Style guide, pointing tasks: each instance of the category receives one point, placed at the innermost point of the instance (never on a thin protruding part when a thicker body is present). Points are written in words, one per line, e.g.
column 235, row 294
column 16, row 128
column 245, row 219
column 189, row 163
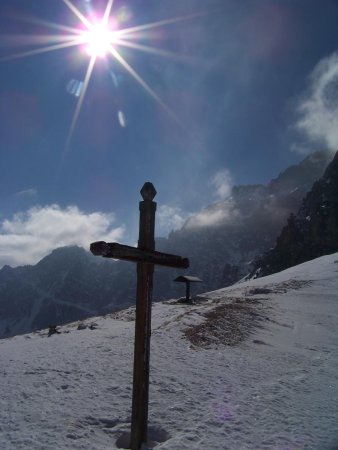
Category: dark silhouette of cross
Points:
column 146, row 257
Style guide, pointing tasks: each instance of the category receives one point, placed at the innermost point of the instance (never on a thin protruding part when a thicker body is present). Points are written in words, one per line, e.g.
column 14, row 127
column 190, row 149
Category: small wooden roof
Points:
column 188, row 279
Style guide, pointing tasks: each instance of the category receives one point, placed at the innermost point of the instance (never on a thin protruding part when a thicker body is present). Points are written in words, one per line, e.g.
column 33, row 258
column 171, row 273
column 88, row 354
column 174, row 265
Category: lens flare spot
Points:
column 122, row 119
column 74, row 87
column 124, row 14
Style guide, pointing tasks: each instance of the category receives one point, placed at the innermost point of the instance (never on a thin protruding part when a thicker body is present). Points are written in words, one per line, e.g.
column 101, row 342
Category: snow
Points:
column 276, row 388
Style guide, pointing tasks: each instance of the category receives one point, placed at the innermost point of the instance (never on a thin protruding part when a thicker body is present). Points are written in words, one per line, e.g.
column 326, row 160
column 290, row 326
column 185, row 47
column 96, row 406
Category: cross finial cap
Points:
column 148, row 191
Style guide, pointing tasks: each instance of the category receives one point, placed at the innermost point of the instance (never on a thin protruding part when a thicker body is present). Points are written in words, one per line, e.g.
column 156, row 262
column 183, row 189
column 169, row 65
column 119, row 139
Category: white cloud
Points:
column 318, row 109
column 31, row 235
column 217, row 214
column 206, row 218
column 169, row 218
column 222, row 183
column 32, row 192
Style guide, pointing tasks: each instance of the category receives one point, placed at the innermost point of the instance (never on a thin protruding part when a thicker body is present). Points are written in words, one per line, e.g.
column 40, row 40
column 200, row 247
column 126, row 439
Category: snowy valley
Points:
column 251, row 366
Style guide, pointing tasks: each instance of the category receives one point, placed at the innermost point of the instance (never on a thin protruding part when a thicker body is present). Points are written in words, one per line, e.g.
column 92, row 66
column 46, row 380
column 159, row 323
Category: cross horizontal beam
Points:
column 125, row 252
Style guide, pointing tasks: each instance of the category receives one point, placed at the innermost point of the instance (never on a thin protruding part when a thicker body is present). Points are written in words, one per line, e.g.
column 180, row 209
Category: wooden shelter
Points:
column 187, row 279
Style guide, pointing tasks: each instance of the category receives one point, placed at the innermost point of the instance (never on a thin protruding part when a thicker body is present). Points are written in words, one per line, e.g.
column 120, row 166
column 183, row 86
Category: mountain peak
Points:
column 303, row 174
column 69, row 253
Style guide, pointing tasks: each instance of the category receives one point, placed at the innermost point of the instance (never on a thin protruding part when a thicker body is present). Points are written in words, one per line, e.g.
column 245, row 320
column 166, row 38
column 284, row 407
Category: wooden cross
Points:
column 146, row 257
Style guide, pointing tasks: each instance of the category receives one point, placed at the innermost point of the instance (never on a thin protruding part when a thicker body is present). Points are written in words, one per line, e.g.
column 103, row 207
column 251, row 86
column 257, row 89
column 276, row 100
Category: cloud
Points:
column 218, row 214
column 222, row 183
column 318, row 108
column 31, row 235
column 31, row 192
column 170, row 218
column 206, row 218
column 223, row 211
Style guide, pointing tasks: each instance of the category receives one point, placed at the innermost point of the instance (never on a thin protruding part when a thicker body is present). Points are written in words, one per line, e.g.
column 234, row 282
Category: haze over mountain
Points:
column 71, row 284
column 310, row 233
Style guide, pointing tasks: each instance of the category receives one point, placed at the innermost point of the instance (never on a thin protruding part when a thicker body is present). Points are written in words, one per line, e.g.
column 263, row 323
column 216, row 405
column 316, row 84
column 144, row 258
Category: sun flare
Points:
column 99, row 37
column 98, row 40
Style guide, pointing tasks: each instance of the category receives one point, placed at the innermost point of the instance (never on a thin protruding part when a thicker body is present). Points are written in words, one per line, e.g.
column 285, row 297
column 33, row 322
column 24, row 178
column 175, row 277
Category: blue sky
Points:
column 243, row 90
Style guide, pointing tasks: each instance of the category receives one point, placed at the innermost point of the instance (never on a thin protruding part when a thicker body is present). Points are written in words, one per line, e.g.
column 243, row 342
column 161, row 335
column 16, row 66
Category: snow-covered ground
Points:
column 275, row 387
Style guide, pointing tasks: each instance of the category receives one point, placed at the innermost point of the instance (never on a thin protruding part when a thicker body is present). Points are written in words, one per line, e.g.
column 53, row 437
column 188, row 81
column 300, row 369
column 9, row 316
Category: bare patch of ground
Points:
column 227, row 324
column 126, row 315
column 279, row 288
column 232, row 322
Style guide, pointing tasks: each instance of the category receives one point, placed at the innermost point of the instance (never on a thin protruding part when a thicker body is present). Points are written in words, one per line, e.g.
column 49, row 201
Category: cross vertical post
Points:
column 187, row 291
column 139, row 419
column 146, row 257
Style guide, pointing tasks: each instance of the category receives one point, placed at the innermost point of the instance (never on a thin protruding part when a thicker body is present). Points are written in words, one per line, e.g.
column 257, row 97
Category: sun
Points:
column 98, row 40
column 100, row 37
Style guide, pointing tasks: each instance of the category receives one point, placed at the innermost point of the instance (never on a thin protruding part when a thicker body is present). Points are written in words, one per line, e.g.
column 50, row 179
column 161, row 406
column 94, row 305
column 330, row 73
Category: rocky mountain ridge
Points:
column 310, row 233
column 69, row 284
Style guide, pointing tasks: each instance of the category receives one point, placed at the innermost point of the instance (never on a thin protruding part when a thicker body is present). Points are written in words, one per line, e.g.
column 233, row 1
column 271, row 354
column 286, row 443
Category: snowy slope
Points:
column 275, row 387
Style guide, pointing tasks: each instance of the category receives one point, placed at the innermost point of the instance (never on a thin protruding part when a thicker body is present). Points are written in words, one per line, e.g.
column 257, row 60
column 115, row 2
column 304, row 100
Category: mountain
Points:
column 312, row 232
column 252, row 366
column 223, row 240
column 69, row 284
